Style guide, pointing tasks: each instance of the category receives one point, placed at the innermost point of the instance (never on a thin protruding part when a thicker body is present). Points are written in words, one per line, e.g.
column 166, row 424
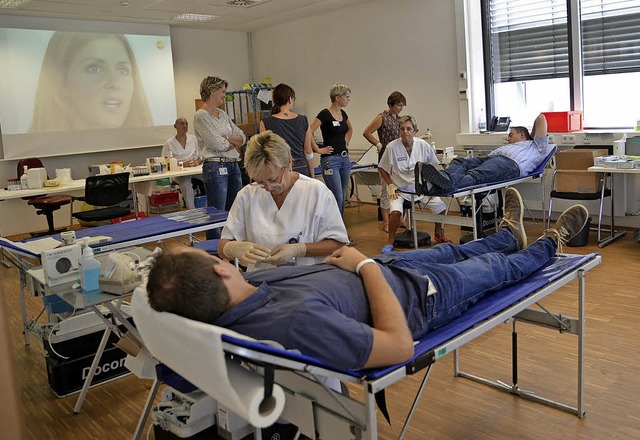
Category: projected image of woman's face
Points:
column 99, row 81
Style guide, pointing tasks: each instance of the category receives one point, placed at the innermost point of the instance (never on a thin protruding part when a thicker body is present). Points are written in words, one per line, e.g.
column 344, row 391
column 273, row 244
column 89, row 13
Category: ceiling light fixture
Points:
column 12, row 4
column 188, row 16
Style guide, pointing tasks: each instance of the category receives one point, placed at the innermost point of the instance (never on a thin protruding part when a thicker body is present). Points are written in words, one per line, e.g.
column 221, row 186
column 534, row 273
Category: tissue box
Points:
column 36, row 177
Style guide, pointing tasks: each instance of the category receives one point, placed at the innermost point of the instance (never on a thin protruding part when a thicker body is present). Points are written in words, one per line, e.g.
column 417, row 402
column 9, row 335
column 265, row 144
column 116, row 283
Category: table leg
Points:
column 613, row 235
column 92, row 370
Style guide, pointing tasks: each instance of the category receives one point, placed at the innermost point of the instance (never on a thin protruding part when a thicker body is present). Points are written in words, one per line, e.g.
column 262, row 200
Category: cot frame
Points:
column 317, row 410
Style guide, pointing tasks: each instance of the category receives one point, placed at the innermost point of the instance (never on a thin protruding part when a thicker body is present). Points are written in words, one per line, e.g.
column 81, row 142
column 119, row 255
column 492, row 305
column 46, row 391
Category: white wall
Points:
column 197, row 53
column 375, row 48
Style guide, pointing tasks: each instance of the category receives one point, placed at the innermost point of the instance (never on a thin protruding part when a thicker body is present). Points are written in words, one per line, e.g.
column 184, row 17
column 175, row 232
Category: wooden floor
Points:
column 451, row 408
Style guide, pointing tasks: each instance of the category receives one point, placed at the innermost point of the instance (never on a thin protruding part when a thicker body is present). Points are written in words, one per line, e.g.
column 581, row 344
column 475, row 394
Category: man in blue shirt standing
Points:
column 519, row 157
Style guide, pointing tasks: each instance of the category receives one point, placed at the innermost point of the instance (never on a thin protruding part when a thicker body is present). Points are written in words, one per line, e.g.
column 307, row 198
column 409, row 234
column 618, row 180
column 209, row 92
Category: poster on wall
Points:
column 71, row 91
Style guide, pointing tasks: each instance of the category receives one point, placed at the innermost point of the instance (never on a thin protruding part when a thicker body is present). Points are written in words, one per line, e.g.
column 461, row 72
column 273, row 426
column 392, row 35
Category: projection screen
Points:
column 70, row 87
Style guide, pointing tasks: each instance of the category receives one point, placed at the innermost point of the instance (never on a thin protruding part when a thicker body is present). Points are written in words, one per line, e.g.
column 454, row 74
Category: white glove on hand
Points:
column 391, row 190
column 379, row 146
column 245, row 251
column 285, row 252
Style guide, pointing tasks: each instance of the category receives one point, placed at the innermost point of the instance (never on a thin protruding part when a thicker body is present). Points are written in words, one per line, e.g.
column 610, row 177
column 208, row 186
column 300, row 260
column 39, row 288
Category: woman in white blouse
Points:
column 219, row 141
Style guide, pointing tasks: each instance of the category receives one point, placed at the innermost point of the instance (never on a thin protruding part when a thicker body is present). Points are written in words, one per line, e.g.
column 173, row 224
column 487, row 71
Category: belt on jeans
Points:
column 344, row 153
column 220, row 159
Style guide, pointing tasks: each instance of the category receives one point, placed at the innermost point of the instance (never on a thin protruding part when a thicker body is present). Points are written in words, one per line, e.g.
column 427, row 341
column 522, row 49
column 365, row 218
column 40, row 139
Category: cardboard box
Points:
column 578, row 181
column 578, row 159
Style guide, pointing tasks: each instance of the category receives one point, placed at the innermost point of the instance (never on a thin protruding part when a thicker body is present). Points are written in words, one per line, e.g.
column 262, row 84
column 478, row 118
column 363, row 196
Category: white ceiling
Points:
column 258, row 14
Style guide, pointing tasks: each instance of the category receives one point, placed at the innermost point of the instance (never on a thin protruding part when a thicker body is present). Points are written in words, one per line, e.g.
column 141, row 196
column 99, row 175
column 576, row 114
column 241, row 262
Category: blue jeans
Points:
column 477, row 170
column 462, row 274
column 336, row 172
column 221, row 188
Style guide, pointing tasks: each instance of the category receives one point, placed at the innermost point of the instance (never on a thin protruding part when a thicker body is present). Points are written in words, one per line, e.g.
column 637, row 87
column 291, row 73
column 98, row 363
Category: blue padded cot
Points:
column 477, row 193
column 317, row 410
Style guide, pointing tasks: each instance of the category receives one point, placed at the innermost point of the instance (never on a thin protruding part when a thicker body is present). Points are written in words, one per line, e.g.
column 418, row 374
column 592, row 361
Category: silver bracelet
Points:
column 362, row 263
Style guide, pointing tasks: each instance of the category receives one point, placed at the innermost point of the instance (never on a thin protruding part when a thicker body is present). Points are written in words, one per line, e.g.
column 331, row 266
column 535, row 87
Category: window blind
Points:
column 528, row 38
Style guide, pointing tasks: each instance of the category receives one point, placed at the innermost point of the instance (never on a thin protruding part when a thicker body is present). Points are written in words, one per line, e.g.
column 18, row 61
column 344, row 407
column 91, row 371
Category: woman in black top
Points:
column 336, row 133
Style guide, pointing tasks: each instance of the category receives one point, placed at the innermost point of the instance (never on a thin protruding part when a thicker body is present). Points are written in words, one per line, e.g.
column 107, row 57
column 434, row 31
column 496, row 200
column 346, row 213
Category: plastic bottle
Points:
column 173, row 162
column 482, row 121
column 24, row 181
column 89, row 269
column 637, row 127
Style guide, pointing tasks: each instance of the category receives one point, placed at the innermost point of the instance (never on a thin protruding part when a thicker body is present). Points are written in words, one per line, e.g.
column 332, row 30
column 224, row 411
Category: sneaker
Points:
column 512, row 218
column 386, row 249
column 568, row 225
column 436, row 177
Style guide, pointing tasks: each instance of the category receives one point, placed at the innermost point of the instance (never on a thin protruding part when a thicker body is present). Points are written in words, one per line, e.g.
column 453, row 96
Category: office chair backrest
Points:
column 107, row 189
column 31, row 162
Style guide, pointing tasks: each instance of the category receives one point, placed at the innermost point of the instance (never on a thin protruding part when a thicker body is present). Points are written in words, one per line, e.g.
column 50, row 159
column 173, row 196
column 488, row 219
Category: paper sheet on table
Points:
column 194, row 350
column 34, row 246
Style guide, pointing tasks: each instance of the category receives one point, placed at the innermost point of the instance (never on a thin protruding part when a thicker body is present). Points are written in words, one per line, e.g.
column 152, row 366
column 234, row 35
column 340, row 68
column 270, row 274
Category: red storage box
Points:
column 164, row 198
column 562, row 122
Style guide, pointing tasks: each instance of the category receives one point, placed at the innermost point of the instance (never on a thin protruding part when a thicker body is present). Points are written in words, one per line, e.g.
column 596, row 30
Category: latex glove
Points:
column 391, row 190
column 246, row 252
column 285, row 252
column 379, row 146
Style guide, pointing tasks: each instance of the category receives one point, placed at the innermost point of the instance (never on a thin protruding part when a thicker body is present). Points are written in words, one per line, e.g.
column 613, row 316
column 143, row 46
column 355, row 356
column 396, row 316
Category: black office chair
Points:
column 605, row 191
column 45, row 204
column 107, row 192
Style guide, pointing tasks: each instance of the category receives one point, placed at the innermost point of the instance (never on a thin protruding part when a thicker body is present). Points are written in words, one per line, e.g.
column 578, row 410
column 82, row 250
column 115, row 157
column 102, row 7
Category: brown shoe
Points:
column 513, row 216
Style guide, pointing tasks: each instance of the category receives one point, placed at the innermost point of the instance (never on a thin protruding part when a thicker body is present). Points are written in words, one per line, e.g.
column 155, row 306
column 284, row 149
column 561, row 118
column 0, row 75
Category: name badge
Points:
column 336, row 123
column 222, row 171
column 401, row 159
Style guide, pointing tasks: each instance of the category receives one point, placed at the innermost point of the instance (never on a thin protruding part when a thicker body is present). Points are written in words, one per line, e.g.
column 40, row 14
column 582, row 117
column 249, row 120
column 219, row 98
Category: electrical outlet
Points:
column 585, row 138
column 551, row 138
column 568, row 139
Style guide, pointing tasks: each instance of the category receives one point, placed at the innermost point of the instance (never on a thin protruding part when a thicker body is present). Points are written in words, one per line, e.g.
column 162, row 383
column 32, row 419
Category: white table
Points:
column 613, row 234
column 79, row 184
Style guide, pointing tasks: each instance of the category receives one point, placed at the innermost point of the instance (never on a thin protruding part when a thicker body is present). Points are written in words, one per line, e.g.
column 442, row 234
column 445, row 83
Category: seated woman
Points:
column 283, row 214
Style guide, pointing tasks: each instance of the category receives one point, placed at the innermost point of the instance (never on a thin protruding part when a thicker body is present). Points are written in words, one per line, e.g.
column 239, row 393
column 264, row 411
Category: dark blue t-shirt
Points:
column 323, row 311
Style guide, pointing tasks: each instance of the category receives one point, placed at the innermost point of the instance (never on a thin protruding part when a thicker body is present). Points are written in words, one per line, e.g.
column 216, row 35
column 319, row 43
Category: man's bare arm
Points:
column 392, row 341
column 539, row 126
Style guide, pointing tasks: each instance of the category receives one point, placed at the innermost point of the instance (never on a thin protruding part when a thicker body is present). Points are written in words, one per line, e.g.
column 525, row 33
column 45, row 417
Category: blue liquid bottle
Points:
column 89, row 269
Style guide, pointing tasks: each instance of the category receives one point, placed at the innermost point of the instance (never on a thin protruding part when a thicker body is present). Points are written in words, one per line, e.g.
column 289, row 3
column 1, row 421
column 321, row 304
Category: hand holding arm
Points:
column 392, row 341
column 245, row 251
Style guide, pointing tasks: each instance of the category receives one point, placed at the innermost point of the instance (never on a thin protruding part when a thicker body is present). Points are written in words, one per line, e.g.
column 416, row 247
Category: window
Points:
column 527, row 59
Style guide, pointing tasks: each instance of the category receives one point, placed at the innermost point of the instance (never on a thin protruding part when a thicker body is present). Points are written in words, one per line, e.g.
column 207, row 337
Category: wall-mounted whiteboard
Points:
column 69, row 86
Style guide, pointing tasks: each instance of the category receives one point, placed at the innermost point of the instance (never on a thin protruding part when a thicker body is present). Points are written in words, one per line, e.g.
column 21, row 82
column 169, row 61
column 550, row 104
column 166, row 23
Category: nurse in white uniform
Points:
column 184, row 147
column 282, row 215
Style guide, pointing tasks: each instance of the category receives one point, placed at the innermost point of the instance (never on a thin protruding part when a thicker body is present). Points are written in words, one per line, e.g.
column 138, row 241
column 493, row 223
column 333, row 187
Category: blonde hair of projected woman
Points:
column 89, row 81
